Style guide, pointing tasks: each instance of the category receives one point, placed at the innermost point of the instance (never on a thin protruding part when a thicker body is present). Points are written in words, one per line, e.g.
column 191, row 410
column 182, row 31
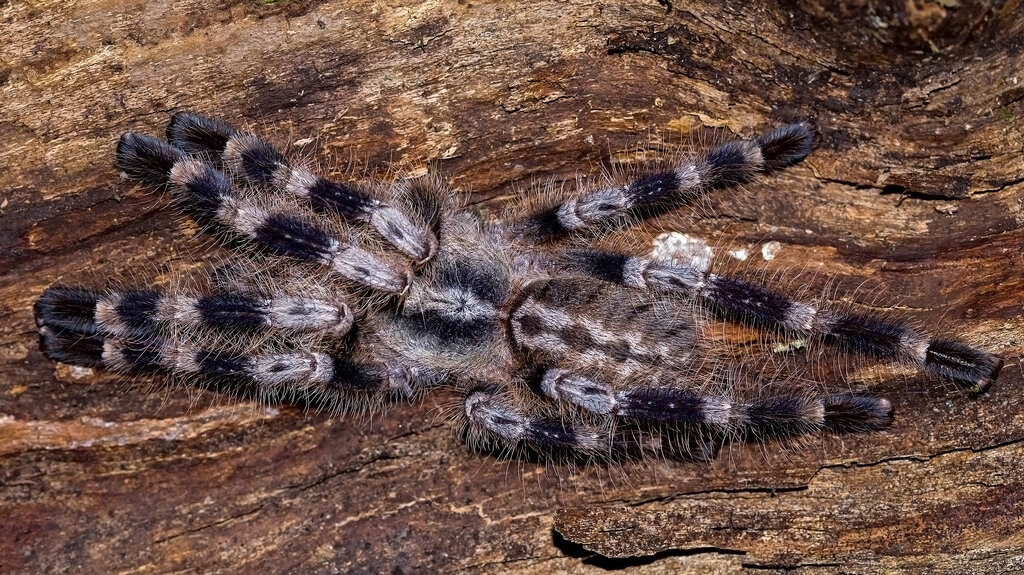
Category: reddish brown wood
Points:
column 913, row 199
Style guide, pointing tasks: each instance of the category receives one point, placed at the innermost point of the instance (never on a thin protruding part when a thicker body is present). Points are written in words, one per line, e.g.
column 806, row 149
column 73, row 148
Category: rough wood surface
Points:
column 915, row 197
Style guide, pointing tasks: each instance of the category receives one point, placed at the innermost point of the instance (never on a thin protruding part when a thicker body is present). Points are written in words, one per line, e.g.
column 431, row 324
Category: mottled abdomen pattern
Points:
column 355, row 295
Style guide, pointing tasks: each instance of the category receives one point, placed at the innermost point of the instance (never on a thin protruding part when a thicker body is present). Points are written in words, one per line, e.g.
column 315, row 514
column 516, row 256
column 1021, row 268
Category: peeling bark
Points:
column 914, row 197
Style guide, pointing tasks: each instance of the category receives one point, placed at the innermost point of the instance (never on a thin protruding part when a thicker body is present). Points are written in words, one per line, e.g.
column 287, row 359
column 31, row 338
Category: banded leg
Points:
column 749, row 303
column 211, row 199
column 197, row 338
column 732, row 163
column 312, row 377
column 145, row 313
column 766, row 416
column 657, row 423
column 253, row 160
column 497, row 423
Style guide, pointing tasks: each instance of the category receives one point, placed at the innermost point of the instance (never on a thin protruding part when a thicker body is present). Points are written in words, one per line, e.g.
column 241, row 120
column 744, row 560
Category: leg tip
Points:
column 857, row 413
column 982, row 384
column 67, row 309
column 146, row 159
column 196, row 134
column 786, row 145
column 71, row 348
column 972, row 368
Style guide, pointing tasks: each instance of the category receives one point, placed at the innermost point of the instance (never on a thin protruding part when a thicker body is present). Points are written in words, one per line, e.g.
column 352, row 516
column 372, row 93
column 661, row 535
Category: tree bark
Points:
column 914, row 199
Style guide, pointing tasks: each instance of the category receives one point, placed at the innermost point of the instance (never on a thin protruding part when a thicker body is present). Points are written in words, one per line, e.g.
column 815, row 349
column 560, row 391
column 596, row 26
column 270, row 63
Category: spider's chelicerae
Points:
column 357, row 295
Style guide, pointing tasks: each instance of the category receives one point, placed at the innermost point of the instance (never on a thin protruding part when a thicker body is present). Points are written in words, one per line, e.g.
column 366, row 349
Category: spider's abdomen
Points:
column 587, row 325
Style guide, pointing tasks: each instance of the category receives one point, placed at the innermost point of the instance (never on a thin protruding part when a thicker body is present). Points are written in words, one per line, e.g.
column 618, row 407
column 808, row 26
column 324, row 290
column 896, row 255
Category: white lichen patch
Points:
column 770, row 250
column 79, row 372
column 682, row 249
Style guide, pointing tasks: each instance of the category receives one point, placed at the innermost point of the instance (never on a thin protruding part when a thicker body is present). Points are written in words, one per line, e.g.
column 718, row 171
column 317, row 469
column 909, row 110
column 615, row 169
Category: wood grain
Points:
column 914, row 199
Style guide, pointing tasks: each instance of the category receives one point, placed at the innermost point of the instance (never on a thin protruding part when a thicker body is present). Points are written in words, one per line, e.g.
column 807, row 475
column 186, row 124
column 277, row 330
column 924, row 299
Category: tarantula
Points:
column 355, row 295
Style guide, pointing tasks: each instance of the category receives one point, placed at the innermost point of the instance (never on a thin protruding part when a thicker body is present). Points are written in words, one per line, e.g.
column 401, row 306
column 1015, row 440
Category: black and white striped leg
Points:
column 256, row 162
column 209, row 197
column 730, row 164
column 744, row 302
column 71, row 329
column 317, row 378
column 131, row 331
column 286, row 375
column 770, row 415
column 142, row 313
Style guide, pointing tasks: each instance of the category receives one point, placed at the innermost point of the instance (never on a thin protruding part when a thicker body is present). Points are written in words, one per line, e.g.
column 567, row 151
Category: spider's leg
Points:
column 212, row 200
column 254, row 161
column 749, row 303
column 278, row 373
column 498, row 422
column 70, row 332
column 648, row 422
column 282, row 374
column 730, row 164
column 141, row 313
column 765, row 416
column 280, row 347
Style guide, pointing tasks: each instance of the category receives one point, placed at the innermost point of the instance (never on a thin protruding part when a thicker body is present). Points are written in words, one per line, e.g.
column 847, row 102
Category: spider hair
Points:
column 555, row 345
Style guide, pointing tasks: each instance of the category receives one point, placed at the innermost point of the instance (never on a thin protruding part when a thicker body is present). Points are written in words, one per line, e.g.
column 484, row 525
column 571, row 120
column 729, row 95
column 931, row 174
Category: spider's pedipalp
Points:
column 732, row 163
